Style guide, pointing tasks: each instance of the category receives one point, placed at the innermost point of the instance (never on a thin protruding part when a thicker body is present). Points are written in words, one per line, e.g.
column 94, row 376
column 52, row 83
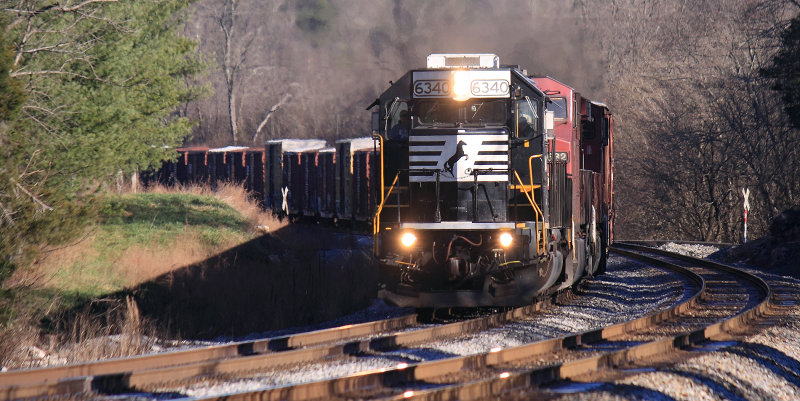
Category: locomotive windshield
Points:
column 474, row 112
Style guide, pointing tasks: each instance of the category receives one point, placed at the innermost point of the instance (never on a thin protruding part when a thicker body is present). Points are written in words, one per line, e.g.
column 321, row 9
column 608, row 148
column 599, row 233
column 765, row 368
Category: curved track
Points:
column 124, row 374
column 722, row 302
column 76, row 378
column 731, row 302
column 516, row 371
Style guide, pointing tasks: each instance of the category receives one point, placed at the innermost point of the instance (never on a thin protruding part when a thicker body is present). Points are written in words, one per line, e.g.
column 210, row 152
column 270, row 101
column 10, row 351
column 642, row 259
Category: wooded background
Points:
column 705, row 93
column 308, row 68
column 697, row 117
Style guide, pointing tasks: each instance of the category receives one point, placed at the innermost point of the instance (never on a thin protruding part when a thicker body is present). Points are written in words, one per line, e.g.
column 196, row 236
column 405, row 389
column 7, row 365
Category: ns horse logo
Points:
column 451, row 162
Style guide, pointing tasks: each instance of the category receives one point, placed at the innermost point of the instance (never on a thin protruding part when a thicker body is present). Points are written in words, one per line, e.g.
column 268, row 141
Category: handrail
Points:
column 380, row 139
column 376, row 222
column 530, row 168
column 538, row 212
column 530, row 174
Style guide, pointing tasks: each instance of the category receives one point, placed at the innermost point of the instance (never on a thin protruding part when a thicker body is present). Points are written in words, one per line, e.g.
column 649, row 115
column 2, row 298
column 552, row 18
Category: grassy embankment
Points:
column 139, row 237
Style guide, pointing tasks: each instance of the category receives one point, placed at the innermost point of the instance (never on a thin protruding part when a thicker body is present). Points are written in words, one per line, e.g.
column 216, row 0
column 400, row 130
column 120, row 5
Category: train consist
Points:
column 484, row 186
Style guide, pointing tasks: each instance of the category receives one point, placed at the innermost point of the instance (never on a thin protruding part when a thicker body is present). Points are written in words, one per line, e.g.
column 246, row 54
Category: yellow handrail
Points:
column 538, row 212
column 377, row 215
column 530, row 167
column 376, row 222
column 530, row 174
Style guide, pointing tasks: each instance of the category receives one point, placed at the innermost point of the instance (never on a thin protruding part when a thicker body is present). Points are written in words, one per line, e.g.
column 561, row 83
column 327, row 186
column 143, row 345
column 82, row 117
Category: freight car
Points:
column 209, row 166
column 484, row 186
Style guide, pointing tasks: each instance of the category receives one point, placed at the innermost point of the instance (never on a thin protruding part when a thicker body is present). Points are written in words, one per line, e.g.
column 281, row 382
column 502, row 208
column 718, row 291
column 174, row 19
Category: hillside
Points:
column 139, row 236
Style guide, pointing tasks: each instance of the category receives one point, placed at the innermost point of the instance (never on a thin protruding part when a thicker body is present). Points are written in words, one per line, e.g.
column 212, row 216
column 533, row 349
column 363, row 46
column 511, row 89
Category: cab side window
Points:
column 398, row 121
column 527, row 118
column 558, row 105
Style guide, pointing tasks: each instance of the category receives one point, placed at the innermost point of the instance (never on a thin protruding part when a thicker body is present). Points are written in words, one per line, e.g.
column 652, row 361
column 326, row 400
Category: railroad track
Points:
column 520, row 371
column 84, row 377
column 124, row 374
column 720, row 302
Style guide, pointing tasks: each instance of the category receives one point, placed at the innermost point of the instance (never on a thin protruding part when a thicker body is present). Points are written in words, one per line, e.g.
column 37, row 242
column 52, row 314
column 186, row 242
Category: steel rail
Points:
column 524, row 380
column 781, row 295
column 123, row 374
column 388, row 380
column 71, row 378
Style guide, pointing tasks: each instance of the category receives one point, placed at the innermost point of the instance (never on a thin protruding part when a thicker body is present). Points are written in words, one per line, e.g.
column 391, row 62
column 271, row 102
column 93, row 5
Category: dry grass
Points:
column 105, row 327
column 139, row 264
column 88, row 335
column 234, row 196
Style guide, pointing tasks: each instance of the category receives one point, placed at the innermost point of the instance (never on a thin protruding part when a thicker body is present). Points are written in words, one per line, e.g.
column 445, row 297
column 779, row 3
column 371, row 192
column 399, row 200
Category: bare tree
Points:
column 696, row 121
column 233, row 58
column 301, row 82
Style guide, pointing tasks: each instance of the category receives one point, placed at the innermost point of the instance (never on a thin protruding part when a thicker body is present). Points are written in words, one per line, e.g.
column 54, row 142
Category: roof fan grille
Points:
column 464, row 61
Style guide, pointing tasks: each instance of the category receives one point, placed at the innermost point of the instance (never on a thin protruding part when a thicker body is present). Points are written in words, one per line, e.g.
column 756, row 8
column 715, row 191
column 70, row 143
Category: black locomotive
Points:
column 483, row 200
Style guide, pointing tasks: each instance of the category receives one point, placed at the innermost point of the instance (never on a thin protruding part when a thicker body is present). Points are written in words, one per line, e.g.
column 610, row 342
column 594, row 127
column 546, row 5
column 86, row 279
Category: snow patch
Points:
column 299, row 145
column 694, row 250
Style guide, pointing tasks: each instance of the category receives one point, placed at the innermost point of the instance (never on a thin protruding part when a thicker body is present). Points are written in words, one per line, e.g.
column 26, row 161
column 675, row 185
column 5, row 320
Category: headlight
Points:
column 505, row 239
column 461, row 81
column 408, row 239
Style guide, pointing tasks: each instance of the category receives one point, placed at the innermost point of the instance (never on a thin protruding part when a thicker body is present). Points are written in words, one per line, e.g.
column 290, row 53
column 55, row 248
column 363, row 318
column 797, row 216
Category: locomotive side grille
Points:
column 456, row 156
column 560, row 195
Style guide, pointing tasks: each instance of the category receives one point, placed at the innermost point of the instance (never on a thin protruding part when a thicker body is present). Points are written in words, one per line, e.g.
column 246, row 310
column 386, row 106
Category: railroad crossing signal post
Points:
column 746, row 193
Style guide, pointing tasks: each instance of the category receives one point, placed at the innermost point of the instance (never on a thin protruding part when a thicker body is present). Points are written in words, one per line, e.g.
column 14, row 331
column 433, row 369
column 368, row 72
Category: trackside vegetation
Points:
column 135, row 237
column 94, row 91
column 133, row 225
column 81, row 290
column 785, row 69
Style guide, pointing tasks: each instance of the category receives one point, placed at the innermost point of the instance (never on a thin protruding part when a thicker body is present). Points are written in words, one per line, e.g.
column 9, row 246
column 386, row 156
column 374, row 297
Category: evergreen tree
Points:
column 785, row 70
column 11, row 99
column 11, row 94
column 103, row 81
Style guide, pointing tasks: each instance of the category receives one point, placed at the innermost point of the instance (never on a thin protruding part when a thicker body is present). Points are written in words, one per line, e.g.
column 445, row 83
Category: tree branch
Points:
column 51, row 72
column 61, row 71
column 29, row 14
column 285, row 99
column 85, row 3
column 32, row 196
